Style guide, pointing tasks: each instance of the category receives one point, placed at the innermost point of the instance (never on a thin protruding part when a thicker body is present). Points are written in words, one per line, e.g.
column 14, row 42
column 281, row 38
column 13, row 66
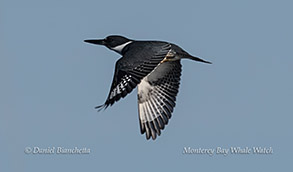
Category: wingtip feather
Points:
column 101, row 107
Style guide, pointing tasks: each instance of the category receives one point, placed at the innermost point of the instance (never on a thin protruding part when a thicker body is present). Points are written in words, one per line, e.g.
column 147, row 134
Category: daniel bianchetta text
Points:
column 56, row 150
column 257, row 150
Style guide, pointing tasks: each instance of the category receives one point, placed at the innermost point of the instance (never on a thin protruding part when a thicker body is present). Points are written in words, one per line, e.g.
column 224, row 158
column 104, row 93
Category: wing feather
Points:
column 130, row 69
column 156, row 97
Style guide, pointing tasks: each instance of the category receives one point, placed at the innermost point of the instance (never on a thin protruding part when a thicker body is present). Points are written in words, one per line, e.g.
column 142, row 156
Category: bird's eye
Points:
column 109, row 39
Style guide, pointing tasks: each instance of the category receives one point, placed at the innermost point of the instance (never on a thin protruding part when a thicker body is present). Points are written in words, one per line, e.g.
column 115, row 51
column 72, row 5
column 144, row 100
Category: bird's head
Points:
column 113, row 42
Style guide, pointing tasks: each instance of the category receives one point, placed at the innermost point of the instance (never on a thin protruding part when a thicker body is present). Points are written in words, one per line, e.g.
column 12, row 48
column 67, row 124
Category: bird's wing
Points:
column 156, row 97
column 128, row 74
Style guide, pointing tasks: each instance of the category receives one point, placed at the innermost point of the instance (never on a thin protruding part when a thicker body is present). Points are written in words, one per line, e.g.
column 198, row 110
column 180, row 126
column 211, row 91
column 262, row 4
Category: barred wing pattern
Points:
column 156, row 97
column 127, row 76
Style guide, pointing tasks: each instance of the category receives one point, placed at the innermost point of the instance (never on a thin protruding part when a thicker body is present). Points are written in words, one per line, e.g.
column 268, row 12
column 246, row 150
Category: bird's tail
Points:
column 196, row 59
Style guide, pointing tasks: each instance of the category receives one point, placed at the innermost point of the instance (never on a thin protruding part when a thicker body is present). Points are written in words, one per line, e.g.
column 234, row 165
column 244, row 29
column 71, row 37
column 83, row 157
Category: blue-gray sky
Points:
column 51, row 81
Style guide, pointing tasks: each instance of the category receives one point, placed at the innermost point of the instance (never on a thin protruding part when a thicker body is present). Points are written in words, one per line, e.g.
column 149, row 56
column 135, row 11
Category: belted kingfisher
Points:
column 155, row 68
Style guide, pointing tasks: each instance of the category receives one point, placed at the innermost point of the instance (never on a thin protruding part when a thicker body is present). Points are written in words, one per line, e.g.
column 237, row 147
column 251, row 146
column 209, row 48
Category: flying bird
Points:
column 155, row 68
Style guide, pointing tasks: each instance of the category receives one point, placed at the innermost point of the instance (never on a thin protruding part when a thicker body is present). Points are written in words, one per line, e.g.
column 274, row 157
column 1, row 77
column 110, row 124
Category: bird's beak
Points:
column 96, row 41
